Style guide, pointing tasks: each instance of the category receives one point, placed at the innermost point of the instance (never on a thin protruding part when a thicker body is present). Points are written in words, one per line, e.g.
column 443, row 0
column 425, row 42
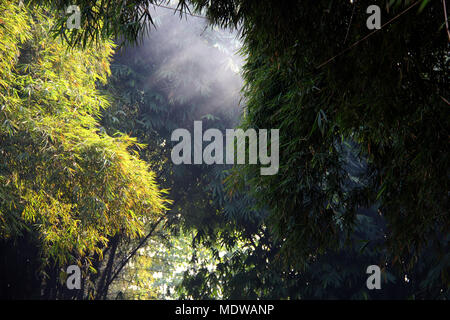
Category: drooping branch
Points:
column 125, row 261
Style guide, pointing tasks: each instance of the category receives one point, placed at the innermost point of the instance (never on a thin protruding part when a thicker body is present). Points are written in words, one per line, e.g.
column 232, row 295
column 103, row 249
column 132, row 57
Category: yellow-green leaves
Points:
column 61, row 176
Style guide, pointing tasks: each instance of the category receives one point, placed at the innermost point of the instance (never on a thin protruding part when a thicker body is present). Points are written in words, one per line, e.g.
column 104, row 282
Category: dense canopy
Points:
column 364, row 142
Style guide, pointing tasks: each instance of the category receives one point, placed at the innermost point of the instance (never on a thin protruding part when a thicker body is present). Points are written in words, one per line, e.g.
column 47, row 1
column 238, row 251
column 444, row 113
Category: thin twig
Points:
column 177, row 10
column 445, row 100
column 446, row 19
column 350, row 23
column 367, row 36
column 124, row 262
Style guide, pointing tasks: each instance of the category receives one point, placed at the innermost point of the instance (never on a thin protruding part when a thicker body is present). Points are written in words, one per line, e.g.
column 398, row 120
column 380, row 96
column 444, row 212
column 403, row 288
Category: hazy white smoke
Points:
column 193, row 62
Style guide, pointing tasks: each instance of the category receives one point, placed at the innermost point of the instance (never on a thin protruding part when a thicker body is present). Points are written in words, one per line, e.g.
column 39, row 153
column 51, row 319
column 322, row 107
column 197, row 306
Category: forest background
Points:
column 86, row 176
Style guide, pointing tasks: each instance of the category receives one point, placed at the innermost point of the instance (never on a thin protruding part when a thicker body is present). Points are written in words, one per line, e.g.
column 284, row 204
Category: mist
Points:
column 193, row 63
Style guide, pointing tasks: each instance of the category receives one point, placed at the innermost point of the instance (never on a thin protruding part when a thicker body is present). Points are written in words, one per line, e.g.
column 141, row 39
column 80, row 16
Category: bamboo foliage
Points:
column 62, row 178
